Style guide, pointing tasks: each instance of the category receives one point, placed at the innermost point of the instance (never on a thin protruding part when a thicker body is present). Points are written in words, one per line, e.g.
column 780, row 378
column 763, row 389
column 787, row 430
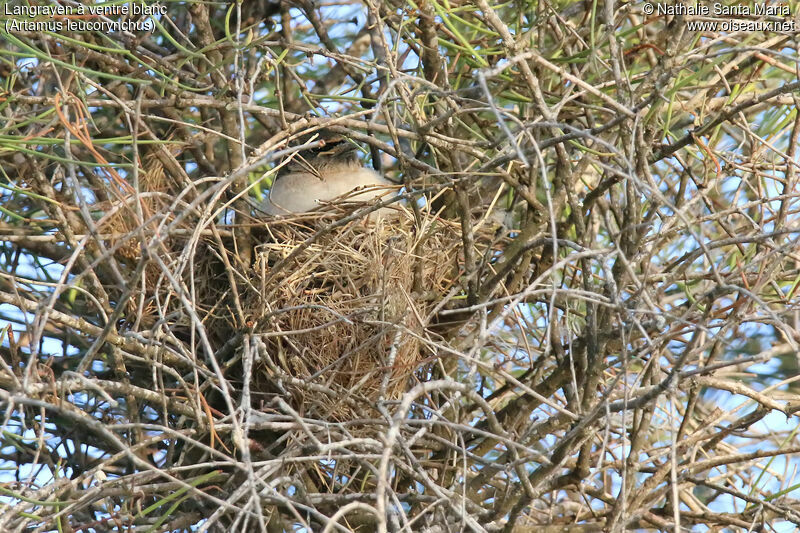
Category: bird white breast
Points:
column 299, row 192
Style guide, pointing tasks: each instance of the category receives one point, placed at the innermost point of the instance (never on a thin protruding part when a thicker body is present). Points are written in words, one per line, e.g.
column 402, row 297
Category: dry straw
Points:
column 350, row 305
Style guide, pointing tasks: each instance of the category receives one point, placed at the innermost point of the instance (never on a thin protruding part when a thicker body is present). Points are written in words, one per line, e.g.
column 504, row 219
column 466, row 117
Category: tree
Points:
column 582, row 317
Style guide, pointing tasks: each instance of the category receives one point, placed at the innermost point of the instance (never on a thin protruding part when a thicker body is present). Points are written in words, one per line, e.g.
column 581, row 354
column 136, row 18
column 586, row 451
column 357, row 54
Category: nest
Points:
column 343, row 310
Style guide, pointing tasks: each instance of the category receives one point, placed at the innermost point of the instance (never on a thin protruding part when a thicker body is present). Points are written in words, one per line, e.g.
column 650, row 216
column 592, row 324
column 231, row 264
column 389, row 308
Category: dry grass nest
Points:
column 343, row 311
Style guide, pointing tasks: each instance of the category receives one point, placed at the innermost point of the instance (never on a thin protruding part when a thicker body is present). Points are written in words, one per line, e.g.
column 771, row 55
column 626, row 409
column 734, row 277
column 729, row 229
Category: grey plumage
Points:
column 321, row 175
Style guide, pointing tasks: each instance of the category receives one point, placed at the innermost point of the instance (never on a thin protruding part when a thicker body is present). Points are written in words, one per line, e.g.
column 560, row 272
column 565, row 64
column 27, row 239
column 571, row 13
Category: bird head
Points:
column 335, row 153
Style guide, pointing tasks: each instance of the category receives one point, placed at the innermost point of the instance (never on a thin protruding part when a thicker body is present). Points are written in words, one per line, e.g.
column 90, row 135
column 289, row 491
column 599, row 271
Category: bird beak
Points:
column 338, row 149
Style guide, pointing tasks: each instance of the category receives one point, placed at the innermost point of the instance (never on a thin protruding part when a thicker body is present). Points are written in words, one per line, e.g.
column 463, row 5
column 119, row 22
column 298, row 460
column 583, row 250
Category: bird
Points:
column 321, row 174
